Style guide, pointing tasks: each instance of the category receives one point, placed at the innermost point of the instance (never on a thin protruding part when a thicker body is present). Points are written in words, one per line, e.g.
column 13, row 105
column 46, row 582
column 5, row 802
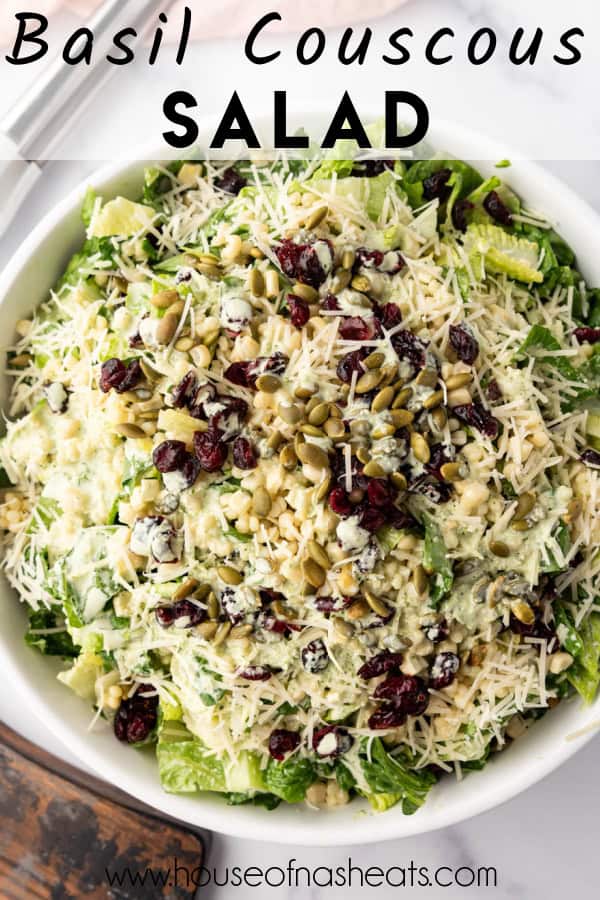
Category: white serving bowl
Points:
column 26, row 282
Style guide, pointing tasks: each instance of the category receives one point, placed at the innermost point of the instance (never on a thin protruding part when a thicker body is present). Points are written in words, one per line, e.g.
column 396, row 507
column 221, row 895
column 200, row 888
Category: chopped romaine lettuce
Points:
column 436, row 561
column 391, row 779
column 48, row 633
column 290, row 779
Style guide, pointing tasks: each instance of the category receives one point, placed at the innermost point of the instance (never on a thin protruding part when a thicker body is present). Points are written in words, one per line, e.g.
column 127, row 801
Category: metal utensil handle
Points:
column 41, row 105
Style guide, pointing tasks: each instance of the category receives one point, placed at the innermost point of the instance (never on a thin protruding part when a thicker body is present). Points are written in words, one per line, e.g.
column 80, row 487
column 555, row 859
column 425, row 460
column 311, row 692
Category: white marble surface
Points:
column 543, row 843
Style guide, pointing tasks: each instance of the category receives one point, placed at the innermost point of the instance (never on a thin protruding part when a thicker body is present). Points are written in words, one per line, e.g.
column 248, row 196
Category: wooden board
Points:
column 61, row 830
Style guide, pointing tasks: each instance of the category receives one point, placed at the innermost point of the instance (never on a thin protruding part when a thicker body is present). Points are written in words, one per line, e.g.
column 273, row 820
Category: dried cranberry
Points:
column 230, row 181
column 476, row 415
column 493, row 391
column 210, row 450
column 183, row 393
column 304, row 263
column 459, row 214
column 372, row 519
column 439, row 455
column 436, row 492
column 137, row 715
column 390, row 316
column 169, row 456
column 244, row 454
column 390, row 262
column 436, row 632
column 299, row 311
column 444, row 668
column 497, row 209
column 407, row 692
column 240, row 373
column 380, row 492
column 190, row 469
column 370, row 168
column 464, row 344
column 339, row 502
column 268, row 595
column 282, row 741
column 230, row 418
column 135, row 341
column 537, row 629
column 314, row 656
column 591, row 458
column 332, row 740
column 368, row 259
column 354, row 328
column 167, row 615
column 328, row 604
column 435, row 185
column 410, row 348
column 330, row 303
column 114, row 373
column 200, row 404
column 245, row 373
column 587, row 335
column 230, row 606
column 350, row 363
column 387, row 716
column 380, row 664
column 255, row 673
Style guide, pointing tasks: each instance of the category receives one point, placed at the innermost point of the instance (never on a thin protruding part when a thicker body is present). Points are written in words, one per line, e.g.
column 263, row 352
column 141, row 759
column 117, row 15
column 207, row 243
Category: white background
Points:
column 544, row 844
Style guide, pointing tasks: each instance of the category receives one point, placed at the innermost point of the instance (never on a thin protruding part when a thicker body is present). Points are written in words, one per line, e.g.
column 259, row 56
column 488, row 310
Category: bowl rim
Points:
column 339, row 831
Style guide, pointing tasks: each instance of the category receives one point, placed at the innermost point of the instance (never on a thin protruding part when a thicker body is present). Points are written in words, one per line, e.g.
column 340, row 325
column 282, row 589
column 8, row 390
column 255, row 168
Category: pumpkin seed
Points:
column 499, row 548
column 433, row 400
column 461, row 379
column 382, row 399
column 186, row 588
column 427, row 378
column 208, row 630
column 316, row 217
column 268, row 383
column 363, row 455
column 401, row 417
column 420, row 447
column 335, row 411
column 274, row 440
column 229, row 575
column 368, row 381
column 291, row 413
column 439, row 417
column 287, row 457
column 256, row 282
column 319, row 414
column 280, row 610
column 221, row 633
column 402, row 398
column 348, row 258
column 334, row 429
column 299, row 439
column 305, row 292
column 164, row 299
column 361, row 283
column 130, row 431
column 210, row 259
column 303, row 393
column 184, row 344
column 256, row 253
column 312, row 431
column 239, row 632
column 377, row 605
column 20, row 361
column 212, row 605
column 166, row 328
column 271, row 283
column 374, row 470
column 209, row 269
column 261, row 502
column 313, row 573
column 450, row 471
column 420, row 580
column 312, row 455
column 323, row 489
column 573, row 510
column 521, row 525
column 319, row 554
column 384, row 430
column 358, row 610
column 374, row 360
column 525, row 504
column 523, row 612
column 340, row 280
column 399, row 480
column 343, row 630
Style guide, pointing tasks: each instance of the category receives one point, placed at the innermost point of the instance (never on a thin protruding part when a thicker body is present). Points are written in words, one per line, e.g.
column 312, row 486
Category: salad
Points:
column 300, row 475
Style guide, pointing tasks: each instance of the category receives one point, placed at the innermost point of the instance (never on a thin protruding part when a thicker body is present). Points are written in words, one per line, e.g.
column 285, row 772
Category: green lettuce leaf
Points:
column 584, row 674
column 290, row 779
column 436, row 561
column 47, row 633
column 503, row 253
column 392, row 780
column 417, row 172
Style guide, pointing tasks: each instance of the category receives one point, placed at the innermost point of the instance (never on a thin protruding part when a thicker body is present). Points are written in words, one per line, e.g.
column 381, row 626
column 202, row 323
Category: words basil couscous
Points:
column 301, row 475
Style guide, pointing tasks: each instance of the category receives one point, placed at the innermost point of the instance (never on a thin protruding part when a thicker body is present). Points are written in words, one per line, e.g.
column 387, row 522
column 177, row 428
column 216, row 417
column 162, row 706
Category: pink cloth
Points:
column 221, row 18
